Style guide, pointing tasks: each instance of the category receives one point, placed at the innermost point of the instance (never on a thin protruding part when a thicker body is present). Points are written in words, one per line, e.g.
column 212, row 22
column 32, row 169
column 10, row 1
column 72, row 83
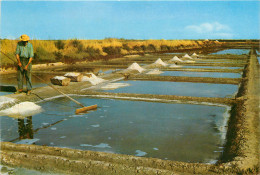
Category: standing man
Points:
column 24, row 56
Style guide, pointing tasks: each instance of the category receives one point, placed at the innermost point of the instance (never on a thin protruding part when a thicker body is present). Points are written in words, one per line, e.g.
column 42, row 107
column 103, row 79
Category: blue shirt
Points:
column 24, row 51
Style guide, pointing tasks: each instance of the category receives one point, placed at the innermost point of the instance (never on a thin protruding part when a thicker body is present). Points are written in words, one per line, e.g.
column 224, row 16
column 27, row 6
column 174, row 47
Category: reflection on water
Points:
column 178, row 88
column 25, row 128
column 182, row 132
column 201, row 74
column 232, row 51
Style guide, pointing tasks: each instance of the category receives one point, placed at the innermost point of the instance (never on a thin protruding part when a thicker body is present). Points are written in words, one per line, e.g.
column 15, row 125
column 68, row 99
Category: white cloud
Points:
column 214, row 29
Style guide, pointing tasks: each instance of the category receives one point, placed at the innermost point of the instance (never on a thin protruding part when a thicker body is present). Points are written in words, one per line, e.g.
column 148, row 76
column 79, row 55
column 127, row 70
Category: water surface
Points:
column 232, row 51
column 201, row 74
column 178, row 88
column 183, row 132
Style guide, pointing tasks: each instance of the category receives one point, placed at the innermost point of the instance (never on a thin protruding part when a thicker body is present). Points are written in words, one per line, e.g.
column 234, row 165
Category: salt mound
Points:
column 93, row 79
column 22, row 110
column 154, row 71
column 187, row 56
column 174, row 65
column 72, row 74
column 111, row 86
column 160, row 62
column 59, row 77
column 136, row 66
column 175, row 58
column 194, row 54
column 6, row 100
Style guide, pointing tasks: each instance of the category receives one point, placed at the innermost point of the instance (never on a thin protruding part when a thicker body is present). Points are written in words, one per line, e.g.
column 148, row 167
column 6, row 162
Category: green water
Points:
column 182, row 132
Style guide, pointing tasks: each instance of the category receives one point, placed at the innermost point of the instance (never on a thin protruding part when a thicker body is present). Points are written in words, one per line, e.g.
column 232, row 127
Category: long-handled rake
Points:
column 79, row 110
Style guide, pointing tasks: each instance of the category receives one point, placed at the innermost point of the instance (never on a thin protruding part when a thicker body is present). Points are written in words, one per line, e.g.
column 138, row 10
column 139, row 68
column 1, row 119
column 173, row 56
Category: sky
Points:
column 131, row 19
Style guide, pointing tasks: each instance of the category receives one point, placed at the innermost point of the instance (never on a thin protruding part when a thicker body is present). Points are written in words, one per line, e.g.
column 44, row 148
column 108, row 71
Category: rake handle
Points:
column 48, row 84
column 59, row 91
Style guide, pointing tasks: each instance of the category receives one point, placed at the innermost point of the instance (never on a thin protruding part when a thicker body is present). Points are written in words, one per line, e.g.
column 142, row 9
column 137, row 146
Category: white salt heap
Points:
column 194, row 54
column 136, row 66
column 59, row 77
column 93, row 79
column 174, row 65
column 6, row 100
column 22, row 110
column 175, row 58
column 111, row 86
column 160, row 62
column 187, row 56
column 72, row 74
column 154, row 71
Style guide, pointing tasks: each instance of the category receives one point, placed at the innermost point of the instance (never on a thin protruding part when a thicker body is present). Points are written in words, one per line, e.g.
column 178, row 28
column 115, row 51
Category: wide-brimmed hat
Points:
column 24, row 37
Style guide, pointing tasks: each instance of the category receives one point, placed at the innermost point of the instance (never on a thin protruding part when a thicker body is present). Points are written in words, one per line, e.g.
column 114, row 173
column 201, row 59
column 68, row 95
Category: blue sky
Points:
column 131, row 19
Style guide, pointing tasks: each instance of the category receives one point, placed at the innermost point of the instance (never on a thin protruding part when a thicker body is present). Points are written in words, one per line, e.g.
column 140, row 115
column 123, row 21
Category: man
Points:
column 24, row 56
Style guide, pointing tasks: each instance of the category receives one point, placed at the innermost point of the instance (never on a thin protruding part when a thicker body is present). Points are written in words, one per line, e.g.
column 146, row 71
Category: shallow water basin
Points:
column 178, row 88
column 183, row 132
column 201, row 74
column 232, row 51
column 211, row 67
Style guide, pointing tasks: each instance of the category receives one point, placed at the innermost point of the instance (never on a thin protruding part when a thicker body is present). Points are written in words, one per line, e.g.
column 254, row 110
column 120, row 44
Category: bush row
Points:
column 70, row 51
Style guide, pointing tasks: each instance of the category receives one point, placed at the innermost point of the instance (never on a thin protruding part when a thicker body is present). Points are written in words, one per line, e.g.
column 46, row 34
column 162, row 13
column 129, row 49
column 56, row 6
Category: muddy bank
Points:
column 71, row 161
column 242, row 146
column 185, row 79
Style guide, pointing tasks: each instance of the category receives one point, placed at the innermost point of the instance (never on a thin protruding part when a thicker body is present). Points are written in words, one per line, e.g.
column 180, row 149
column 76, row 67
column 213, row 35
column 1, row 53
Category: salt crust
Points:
column 72, row 74
column 154, row 71
column 22, row 110
column 59, row 77
column 93, row 79
column 111, row 86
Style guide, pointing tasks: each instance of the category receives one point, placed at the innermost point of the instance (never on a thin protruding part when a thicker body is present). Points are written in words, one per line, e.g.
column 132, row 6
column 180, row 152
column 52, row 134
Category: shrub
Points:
column 77, row 44
column 60, row 44
column 112, row 50
column 41, row 55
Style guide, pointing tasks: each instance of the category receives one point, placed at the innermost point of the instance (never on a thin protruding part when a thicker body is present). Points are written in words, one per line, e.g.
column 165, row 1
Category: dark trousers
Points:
column 21, row 73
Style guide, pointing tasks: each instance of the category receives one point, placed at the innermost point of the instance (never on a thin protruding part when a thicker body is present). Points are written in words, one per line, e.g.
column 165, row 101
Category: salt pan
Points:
column 112, row 86
column 72, row 74
column 154, row 71
column 160, row 62
column 189, row 61
column 175, row 58
column 22, row 110
column 174, row 65
column 6, row 100
column 93, row 79
column 136, row 66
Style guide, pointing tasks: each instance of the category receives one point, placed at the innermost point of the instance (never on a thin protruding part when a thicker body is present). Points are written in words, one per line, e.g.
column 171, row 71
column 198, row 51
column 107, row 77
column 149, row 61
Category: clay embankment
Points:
column 242, row 146
column 185, row 79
